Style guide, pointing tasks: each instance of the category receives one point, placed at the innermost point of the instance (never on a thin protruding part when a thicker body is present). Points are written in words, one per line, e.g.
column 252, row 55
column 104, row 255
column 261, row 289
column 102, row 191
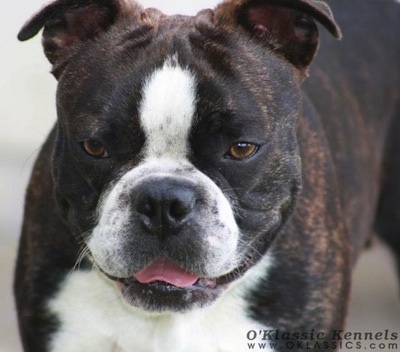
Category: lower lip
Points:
column 163, row 297
column 159, row 296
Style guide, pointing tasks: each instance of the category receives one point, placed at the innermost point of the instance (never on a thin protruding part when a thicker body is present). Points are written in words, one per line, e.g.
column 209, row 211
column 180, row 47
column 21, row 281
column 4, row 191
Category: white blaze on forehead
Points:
column 167, row 111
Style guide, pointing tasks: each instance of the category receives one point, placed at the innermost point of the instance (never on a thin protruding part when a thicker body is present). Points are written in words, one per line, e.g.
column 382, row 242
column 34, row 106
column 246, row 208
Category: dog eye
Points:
column 242, row 150
column 95, row 149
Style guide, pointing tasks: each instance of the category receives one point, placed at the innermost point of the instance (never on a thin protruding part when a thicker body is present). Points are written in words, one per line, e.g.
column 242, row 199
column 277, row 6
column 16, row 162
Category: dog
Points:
column 210, row 181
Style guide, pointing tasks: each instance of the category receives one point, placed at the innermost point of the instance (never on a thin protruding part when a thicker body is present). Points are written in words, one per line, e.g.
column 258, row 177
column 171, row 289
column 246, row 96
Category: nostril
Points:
column 146, row 206
column 180, row 209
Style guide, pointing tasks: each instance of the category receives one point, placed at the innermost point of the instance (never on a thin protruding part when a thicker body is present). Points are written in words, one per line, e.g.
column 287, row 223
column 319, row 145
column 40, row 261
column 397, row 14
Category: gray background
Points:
column 26, row 115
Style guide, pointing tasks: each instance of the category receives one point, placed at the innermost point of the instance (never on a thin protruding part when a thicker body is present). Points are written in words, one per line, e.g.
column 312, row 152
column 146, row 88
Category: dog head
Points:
column 176, row 160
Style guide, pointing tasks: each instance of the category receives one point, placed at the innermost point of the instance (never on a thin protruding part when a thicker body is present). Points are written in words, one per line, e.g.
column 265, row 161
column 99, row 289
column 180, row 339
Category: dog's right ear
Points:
column 69, row 23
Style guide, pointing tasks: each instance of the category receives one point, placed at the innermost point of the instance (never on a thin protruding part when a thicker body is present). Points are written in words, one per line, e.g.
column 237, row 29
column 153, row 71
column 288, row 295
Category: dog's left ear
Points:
column 285, row 26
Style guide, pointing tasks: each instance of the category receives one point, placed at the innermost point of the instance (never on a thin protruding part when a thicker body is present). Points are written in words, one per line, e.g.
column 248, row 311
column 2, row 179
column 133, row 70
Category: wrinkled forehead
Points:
column 128, row 55
column 184, row 63
column 197, row 39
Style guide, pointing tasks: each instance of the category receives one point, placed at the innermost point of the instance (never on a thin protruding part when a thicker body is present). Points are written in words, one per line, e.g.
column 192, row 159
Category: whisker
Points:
column 82, row 254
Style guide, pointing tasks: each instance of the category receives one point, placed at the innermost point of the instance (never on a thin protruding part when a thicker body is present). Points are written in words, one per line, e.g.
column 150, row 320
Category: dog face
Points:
column 176, row 161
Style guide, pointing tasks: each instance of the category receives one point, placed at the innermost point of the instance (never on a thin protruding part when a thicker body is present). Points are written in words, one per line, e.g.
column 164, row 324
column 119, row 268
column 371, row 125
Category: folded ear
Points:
column 285, row 26
column 68, row 23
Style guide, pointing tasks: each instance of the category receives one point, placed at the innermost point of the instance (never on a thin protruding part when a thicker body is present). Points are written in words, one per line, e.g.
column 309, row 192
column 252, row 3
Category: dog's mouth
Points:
column 164, row 286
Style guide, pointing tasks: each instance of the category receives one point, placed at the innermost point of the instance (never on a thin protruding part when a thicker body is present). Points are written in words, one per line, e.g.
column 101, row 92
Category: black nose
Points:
column 164, row 206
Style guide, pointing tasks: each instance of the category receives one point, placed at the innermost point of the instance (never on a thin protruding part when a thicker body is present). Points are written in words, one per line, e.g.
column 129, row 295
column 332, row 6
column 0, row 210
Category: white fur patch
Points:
column 94, row 317
column 107, row 242
column 167, row 111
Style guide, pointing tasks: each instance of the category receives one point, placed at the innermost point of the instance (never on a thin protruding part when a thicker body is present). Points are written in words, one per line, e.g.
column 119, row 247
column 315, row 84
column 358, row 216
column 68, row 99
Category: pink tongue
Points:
column 164, row 270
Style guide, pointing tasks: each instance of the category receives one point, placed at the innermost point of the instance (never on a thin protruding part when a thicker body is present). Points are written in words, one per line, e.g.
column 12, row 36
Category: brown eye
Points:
column 95, row 149
column 241, row 151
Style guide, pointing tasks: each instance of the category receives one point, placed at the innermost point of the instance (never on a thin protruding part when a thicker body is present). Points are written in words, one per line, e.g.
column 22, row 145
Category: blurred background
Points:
column 27, row 112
